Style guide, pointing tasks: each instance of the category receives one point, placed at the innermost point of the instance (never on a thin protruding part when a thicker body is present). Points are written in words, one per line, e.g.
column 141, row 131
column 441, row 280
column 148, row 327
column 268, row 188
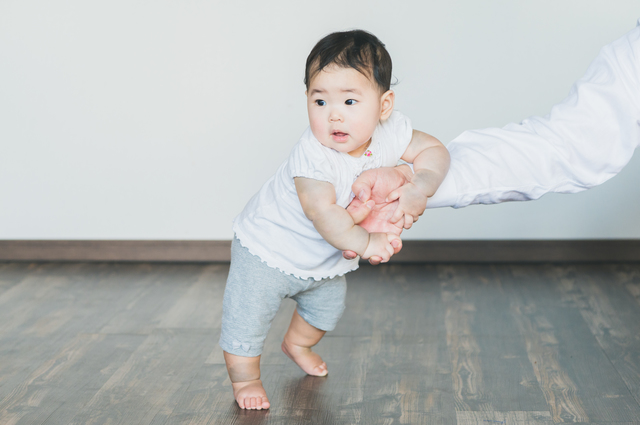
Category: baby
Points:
column 289, row 237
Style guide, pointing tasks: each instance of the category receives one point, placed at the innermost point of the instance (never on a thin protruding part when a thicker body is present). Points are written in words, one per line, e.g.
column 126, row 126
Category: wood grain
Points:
column 579, row 380
column 613, row 318
column 136, row 343
column 490, row 367
column 504, row 418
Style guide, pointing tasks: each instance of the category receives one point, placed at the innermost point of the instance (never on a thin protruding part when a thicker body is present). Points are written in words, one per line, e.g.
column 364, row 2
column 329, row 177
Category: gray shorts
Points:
column 253, row 295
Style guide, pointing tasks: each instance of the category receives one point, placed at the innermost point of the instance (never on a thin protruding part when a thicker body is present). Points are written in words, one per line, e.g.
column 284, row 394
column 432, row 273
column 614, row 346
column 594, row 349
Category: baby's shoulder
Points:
column 308, row 158
column 312, row 151
column 397, row 121
column 397, row 129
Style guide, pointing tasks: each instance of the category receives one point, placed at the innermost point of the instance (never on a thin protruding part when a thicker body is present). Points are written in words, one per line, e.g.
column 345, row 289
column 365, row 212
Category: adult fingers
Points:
column 396, row 243
column 397, row 246
column 387, row 254
column 363, row 184
column 359, row 210
column 408, row 221
column 390, row 250
column 349, row 255
column 398, row 214
column 393, row 195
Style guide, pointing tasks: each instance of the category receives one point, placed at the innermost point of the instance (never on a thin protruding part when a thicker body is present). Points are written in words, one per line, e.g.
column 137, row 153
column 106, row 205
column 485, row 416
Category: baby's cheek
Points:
column 366, row 129
column 316, row 128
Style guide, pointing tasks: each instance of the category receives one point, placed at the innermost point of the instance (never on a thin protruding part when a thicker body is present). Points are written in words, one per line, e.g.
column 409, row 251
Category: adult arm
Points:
column 584, row 141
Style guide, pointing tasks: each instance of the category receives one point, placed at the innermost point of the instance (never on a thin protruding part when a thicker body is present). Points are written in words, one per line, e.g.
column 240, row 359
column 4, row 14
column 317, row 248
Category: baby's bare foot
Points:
column 250, row 395
column 308, row 361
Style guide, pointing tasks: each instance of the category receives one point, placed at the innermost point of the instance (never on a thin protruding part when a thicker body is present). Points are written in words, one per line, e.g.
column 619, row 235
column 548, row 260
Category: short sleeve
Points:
column 398, row 132
column 308, row 159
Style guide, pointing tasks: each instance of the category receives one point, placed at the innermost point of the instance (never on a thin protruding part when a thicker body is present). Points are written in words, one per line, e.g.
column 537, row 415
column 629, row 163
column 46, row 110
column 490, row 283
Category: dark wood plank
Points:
column 148, row 386
column 63, row 391
column 418, row 344
column 57, row 302
column 200, row 306
column 12, row 273
column 407, row 368
column 26, row 307
column 68, row 376
column 511, row 418
column 610, row 313
column 490, row 370
column 574, row 373
column 39, row 317
column 152, row 296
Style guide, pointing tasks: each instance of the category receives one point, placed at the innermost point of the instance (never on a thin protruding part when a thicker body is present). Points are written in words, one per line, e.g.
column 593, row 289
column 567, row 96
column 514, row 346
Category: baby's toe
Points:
column 265, row 403
column 240, row 402
column 321, row 370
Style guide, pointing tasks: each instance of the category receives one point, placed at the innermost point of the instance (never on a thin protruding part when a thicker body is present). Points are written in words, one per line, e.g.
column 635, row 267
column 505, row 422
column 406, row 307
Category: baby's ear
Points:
column 386, row 102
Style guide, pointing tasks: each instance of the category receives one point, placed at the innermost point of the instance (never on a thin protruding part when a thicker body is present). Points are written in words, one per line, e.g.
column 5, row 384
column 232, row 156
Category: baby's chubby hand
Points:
column 412, row 203
column 381, row 245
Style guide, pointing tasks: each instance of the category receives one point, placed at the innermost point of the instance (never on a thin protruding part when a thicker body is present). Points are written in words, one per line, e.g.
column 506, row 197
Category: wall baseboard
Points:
column 414, row 251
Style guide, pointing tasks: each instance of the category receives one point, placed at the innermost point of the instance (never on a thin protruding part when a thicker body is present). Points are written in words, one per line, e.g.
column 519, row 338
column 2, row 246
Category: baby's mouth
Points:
column 339, row 136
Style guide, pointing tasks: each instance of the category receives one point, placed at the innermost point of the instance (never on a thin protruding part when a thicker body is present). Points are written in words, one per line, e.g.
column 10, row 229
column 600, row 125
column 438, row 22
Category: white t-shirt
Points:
column 584, row 141
column 273, row 225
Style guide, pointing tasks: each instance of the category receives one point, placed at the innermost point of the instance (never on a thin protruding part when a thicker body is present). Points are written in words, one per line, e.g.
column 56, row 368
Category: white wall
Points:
column 160, row 119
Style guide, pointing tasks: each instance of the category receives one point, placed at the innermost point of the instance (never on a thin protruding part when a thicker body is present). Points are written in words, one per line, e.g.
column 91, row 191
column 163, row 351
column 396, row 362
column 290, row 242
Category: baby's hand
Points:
column 412, row 204
column 380, row 246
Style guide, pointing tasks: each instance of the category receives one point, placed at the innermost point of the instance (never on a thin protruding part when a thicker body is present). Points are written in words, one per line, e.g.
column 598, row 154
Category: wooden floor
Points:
column 93, row 343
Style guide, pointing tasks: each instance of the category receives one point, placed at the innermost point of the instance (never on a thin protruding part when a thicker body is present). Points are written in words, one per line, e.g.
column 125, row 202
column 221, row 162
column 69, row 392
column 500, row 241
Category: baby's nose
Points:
column 335, row 116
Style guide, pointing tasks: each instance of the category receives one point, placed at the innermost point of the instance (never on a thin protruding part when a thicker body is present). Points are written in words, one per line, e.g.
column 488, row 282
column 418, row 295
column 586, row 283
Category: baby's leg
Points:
column 244, row 373
column 319, row 309
column 252, row 297
column 297, row 344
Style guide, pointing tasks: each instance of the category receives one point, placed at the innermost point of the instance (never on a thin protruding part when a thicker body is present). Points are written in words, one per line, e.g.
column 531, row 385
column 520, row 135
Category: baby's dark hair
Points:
column 355, row 49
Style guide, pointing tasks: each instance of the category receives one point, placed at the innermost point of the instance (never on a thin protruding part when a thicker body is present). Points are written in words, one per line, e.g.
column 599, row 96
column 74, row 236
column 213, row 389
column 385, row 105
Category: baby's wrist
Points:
column 370, row 245
column 424, row 181
column 406, row 171
column 367, row 240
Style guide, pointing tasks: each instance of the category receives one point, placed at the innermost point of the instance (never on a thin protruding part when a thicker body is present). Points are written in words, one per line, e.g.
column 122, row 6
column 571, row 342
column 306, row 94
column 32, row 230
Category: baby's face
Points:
column 344, row 108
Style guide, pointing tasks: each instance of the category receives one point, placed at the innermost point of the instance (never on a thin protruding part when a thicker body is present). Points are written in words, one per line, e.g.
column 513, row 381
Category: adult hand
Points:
column 374, row 185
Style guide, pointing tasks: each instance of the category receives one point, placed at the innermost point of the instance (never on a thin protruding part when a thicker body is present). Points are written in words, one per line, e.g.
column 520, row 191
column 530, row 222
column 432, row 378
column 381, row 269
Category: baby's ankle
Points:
column 239, row 374
column 296, row 343
column 241, row 384
column 290, row 346
column 242, row 369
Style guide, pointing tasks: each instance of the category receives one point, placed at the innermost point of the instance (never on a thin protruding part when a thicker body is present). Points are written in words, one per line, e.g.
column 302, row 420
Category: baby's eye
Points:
column 350, row 102
column 320, row 102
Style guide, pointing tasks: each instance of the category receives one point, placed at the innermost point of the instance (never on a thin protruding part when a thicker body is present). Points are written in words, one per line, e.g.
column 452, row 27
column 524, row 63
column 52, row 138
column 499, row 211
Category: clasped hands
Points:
column 377, row 206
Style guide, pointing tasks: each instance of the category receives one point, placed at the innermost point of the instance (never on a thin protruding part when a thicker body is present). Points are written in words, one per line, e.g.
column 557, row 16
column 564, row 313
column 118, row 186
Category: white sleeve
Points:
column 308, row 159
column 397, row 133
column 403, row 132
column 584, row 141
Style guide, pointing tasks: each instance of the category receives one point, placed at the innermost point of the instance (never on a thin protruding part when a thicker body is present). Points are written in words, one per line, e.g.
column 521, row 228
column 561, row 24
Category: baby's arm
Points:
column 430, row 165
column 335, row 225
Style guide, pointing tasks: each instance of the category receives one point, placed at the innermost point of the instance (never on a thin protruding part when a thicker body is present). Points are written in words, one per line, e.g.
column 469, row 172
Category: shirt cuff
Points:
column 446, row 195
